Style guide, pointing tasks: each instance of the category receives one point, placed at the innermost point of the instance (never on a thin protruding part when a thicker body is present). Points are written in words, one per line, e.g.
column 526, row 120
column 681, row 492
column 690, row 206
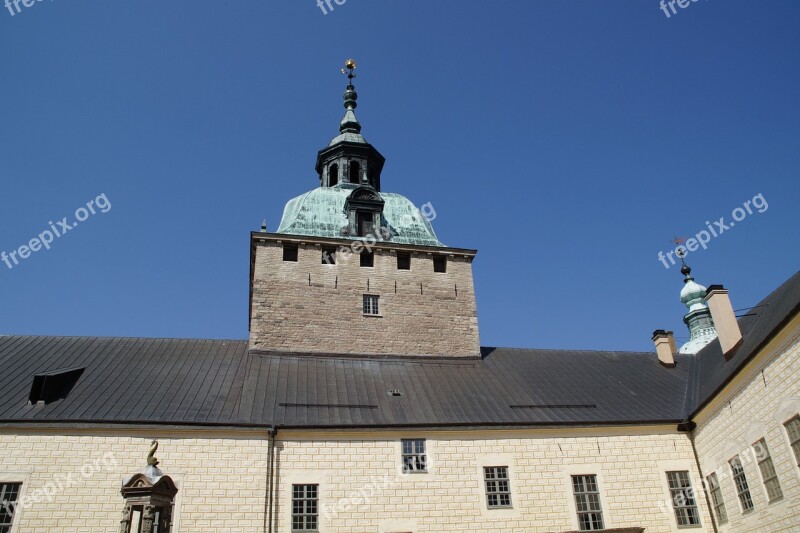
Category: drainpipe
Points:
column 272, row 432
column 690, row 434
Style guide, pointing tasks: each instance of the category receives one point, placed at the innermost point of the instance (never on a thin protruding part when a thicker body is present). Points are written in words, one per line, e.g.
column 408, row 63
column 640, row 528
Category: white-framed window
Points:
column 305, row 507
column 683, row 499
column 742, row 488
column 9, row 496
column 793, row 432
column 371, row 305
column 498, row 487
column 587, row 502
column 415, row 458
column 716, row 499
column 768, row 474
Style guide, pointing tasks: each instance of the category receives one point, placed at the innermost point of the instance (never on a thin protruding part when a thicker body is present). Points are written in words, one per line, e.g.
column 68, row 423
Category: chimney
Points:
column 665, row 347
column 730, row 336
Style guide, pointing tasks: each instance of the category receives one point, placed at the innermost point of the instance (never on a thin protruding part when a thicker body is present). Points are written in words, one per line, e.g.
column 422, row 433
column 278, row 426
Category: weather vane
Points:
column 350, row 66
column 680, row 249
column 678, row 240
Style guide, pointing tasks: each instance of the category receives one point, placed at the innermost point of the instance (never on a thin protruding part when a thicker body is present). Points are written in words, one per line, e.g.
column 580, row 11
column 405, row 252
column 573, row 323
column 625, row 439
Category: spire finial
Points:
column 350, row 123
column 350, row 65
column 686, row 270
column 681, row 252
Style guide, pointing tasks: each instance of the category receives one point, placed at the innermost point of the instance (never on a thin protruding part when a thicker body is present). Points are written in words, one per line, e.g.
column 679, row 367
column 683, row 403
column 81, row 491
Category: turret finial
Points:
column 350, row 65
column 350, row 123
column 681, row 252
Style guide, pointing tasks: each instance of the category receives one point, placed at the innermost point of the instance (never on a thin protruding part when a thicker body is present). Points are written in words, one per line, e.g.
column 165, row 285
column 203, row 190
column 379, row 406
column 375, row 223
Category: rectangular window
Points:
column 440, row 264
column 9, row 494
column 367, row 259
column 768, row 474
column 371, row 305
column 403, row 261
column 498, row 489
column 364, row 222
column 290, row 252
column 414, row 458
column 587, row 502
column 682, row 496
column 328, row 256
column 793, row 430
column 305, row 503
column 742, row 489
column 716, row 499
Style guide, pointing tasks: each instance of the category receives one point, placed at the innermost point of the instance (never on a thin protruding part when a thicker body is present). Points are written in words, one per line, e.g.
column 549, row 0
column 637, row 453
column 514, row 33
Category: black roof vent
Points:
column 55, row 385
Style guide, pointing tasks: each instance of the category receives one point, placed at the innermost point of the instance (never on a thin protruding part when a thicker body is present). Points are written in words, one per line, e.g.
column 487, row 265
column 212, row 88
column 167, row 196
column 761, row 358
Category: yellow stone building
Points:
column 363, row 402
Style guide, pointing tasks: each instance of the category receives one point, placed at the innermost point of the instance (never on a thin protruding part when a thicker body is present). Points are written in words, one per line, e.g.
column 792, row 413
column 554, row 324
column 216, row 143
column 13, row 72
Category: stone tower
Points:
column 354, row 270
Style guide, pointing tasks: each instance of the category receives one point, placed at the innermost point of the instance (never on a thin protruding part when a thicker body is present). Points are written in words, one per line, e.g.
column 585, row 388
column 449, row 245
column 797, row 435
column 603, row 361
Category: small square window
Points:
column 290, row 252
column 328, row 256
column 371, row 305
column 367, row 259
column 498, row 489
column 364, row 222
column 414, row 457
column 403, row 261
column 440, row 264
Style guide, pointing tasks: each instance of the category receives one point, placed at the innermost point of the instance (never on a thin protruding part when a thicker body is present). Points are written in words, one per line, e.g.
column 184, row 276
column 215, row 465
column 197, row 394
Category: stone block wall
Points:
column 310, row 306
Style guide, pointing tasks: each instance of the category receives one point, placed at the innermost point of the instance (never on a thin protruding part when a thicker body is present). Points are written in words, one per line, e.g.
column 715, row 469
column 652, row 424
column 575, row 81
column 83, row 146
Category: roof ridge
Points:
column 114, row 337
column 573, row 350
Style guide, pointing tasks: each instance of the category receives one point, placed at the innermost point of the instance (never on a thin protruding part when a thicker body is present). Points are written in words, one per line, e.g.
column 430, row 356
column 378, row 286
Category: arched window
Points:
column 355, row 172
column 333, row 175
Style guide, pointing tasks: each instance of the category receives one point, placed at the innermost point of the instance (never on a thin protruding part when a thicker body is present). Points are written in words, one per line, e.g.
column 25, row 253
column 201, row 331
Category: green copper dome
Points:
column 349, row 203
column 698, row 319
column 321, row 212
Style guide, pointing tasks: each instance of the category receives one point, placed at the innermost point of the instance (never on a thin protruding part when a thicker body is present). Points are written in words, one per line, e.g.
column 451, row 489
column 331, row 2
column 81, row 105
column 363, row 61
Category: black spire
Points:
column 349, row 160
column 350, row 123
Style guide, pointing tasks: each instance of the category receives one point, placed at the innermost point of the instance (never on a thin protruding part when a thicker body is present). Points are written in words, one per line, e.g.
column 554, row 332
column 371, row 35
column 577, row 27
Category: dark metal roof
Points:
column 758, row 326
column 125, row 379
column 505, row 387
column 171, row 381
column 218, row 382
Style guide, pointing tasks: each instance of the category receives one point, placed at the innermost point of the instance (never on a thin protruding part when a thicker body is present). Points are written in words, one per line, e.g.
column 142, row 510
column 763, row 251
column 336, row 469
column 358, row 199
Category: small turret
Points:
column 698, row 319
column 349, row 160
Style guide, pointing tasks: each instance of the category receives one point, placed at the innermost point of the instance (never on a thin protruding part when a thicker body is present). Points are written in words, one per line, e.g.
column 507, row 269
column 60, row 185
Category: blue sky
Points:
column 567, row 141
